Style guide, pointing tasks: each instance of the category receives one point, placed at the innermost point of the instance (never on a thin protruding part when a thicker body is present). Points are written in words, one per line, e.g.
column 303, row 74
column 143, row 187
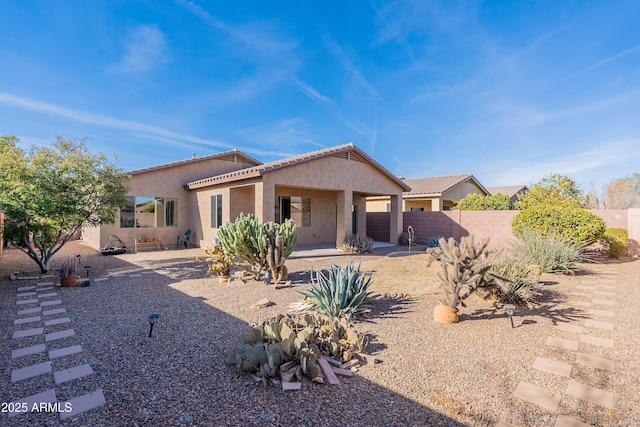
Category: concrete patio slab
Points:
column 564, row 421
column 48, row 396
column 57, row 321
column 26, row 320
column 59, row 335
column 590, row 339
column 596, row 362
column 30, row 371
column 84, row 403
column 25, row 351
column 552, row 366
column 72, row 373
column 54, row 311
column 590, row 394
column 538, row 395
column 66, row 351
column 597, row 324
column 563, row 343
column 27, row 333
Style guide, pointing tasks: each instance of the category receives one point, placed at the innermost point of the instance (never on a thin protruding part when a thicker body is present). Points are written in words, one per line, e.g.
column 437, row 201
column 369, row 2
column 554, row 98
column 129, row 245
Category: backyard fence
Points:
column 493, row 224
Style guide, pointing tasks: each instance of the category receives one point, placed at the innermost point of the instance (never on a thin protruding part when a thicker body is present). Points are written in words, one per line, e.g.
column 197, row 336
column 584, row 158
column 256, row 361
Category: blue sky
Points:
column 507, row 90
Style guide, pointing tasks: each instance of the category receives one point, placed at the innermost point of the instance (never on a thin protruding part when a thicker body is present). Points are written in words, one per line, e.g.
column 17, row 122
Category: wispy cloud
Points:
column 106, row 121
column 146, row 48
column 613, row 58
column 602, row 155
column 311, row 92
column 285, row 133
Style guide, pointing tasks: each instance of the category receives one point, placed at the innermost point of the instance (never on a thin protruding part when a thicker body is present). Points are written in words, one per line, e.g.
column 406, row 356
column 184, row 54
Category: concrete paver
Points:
column 597, row 324
column 29, row 311
column 72, row 373
column 553, row 366
column 590, row 394
column 590, row 339
column 570, row 328
column 27, row 320
column 84, row 403
column 27, row 301
column 30, row 371
column 603, row 301
column 596, row 362
column 48, row 396
column 49, row 303
column 606, row 313
column 57, row 321
column 66, row 351
column 27, row 333
column 54, row 311
column 563, row 343
column 59, row 335
column 25, row 351
column 538, row 395
column 564, row 421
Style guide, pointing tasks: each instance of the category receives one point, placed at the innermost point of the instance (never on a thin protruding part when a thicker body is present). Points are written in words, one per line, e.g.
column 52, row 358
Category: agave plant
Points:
column 341, row 293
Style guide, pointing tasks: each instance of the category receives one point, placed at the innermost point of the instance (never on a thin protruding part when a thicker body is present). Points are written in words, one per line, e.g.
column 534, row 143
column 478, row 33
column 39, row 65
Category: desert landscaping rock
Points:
column 467, row 374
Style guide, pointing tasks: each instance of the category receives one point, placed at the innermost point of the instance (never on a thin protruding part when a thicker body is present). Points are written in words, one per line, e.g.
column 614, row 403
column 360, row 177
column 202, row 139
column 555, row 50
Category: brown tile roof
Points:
column 259, row 170
column 437, row 185
column 507, row 190
column 226, row 155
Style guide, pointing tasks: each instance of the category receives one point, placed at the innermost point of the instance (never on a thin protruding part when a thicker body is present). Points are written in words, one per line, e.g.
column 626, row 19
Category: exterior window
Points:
column 296, row 208
column 417, row 209
column 216, row 211
column 388, row 207
column 148, row 212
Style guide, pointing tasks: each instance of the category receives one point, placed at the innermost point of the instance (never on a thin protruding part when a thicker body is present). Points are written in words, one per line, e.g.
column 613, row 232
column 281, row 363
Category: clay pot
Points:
column 155, row 240
column 66, row 282
column 223, row 279
column 445, row 314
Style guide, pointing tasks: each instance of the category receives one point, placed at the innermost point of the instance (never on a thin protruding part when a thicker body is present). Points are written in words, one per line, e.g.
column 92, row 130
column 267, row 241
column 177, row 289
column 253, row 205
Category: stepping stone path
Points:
column 40, row 317
column 588, row 339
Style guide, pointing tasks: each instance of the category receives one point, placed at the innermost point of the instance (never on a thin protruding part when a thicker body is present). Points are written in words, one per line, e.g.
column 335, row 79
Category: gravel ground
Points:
column 431, row 374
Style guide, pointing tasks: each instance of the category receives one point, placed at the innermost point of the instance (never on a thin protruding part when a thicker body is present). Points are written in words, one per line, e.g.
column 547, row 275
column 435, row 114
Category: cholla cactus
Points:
column 464, row 266
column 275, row 256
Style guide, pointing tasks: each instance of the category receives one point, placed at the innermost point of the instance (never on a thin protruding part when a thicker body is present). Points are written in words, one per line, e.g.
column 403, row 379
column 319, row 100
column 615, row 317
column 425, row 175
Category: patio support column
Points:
column 343, row 216
column 395, row 222
column 265, row 194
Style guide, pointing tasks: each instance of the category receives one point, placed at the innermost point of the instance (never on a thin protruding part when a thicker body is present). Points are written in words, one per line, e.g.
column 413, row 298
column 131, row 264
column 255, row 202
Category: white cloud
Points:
column 146, row 48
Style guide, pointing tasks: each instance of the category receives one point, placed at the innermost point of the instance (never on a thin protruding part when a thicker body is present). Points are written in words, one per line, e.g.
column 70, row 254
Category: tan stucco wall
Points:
column 166, row 182
column 461, row 190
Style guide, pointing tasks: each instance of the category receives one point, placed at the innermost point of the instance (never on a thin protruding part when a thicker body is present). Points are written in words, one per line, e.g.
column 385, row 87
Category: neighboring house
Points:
column 436, row 193
column 509, row 190
column 324, row 192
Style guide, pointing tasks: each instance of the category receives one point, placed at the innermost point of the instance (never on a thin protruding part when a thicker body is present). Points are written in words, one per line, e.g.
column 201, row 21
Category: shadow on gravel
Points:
column 180, row 376
column 390, row 306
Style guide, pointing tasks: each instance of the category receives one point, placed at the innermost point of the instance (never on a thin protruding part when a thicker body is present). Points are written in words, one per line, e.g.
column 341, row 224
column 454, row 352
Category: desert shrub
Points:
column 515, row 282
column 341, row 293
column 552, row 253
column 573, row 224
column 615, row 242
column 357, row 244
column 478, row 202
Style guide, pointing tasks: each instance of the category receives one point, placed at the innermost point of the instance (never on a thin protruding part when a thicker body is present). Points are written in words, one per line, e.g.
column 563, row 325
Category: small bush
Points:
column 515, row 282
column 574, row 224
column 342, row 293
column 553, row 254
column 355, row 244
column 615, row 242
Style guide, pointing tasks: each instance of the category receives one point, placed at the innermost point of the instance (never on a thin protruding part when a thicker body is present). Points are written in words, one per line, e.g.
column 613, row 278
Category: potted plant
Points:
column 464, row 267
column 218, row 262
column 68, row 276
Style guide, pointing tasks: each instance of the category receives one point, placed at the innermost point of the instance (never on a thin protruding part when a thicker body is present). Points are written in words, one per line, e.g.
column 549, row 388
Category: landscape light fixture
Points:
column 87, row 267
column 509, row 309
column 153, row 318
column 78, row 258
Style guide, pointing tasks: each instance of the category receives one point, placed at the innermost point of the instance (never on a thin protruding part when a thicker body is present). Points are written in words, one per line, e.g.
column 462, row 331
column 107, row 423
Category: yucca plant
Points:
column 341, row 293
column 515, row 282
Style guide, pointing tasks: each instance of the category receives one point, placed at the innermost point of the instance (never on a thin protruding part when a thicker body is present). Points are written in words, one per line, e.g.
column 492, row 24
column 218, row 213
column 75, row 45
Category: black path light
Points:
column 87, row 267
column 509, row 309
column 153, row 318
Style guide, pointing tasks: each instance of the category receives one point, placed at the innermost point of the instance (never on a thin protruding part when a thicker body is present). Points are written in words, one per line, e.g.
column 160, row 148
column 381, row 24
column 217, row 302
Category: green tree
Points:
column 50, row 193
column 478, row 202
column 554, row 190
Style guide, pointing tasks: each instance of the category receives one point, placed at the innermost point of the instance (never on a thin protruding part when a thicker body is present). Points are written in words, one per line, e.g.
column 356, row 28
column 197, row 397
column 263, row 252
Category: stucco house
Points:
column 324, row 192
column 435, row 193
column 509, row 190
